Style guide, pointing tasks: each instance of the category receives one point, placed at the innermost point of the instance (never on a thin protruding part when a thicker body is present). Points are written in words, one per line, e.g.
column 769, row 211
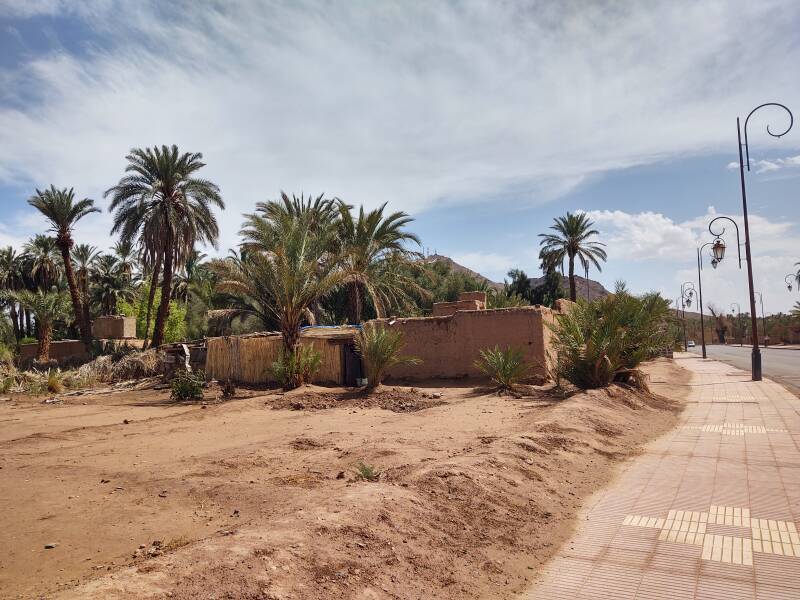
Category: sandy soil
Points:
column 258, row 497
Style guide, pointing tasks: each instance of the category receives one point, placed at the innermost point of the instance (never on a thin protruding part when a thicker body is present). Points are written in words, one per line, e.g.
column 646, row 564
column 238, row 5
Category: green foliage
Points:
column 187, row 386
column 293, row 369
column 606, row 340
column 27, row 340
column 379, row 348
column 367, row 472
column 505, row 367
column 6, row 355
column 127, row 309
column 175, row 329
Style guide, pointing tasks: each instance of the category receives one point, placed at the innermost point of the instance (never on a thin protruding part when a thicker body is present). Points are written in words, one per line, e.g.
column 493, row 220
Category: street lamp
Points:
column 756, row 355
column 687, row 293
column 738, row 314
column 763, row 318
column 790, row 278
column 718, row 256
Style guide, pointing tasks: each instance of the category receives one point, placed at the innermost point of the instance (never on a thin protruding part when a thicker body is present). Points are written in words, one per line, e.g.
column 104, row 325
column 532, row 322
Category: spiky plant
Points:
column 373, row 250
column 505, row 367
column 63, row 212
column 47, row 307
column 161, row 204
column 606, row 340
column 380, row 348
column 571, row 241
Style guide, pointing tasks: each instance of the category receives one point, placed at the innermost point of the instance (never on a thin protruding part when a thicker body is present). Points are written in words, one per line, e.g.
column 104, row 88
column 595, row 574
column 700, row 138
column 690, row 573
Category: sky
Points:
column 484, row 120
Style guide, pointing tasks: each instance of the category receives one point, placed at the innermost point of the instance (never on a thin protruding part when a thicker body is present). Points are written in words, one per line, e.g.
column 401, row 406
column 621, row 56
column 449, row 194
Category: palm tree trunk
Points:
column 84, row 290
column 572, row 294
column 290, row 330
column 166, row 293
column 14, row 320
column 28, row 327
column 44, row 342
column 151, row 297
column 355, row 303
column 77, row 307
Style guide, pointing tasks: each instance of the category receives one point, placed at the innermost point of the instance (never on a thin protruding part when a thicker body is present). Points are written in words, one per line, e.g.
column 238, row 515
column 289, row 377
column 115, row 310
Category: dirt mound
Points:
column 393, row 399
column 472, row 495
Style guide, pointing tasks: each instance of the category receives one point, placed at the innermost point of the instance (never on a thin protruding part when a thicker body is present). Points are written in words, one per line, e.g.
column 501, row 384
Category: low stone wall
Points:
column 63, row 351
column 449, row 345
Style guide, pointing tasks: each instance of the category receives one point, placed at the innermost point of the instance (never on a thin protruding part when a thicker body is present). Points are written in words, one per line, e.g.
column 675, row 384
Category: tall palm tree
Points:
column 192, row 271
column 796, row 310
column 572, row 239
column 83, row 257
column 110, row 283
column 63, row 212
column 47, row 307
column 161, row 204
column 282, row 271
column 373, row 247
column 11, row 280
column 42, row 261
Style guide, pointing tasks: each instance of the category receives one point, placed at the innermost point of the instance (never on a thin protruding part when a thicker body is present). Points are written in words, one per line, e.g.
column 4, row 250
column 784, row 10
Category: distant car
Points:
column 691, row 344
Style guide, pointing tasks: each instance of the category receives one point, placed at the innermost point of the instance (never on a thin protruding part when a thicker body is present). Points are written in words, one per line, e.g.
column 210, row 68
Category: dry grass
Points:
column 136, row 365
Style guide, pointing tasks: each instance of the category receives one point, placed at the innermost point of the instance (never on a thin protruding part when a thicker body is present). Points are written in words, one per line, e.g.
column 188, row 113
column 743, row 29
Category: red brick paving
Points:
column 737, row 449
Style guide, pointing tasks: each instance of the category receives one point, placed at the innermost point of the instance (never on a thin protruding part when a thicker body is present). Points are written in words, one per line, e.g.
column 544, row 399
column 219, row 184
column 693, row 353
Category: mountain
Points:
column 457, row 268
column 596, row 289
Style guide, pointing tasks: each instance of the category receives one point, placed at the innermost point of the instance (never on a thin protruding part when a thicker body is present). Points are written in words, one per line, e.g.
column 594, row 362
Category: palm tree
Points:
column 110, row 283
column 284, row 267
column 63, row 212
column 191, row 273
column 166, row 209
column 11, row 280
column 47, row 307
column 372, row 252
column 572, row 240
column 42, row 261
column 83, row 257
column 126, row 257
column 796, row 310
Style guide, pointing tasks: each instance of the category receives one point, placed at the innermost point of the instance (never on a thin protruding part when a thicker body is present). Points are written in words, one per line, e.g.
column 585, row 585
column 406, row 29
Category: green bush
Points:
column 367, row 472
column 28, row 340
column 604, row 341
column 6, row 355
column 187, row 386
column 293, row 370
column 379, row 349
column 505, row 367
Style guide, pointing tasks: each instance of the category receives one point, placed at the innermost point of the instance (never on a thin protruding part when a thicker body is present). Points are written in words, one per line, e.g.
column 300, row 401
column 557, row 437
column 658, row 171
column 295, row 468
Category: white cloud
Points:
column 488, row 264
column 420, row 104
column 652, row 247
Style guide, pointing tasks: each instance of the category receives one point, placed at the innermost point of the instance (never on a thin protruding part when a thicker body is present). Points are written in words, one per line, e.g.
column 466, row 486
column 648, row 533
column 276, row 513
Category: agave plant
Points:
column 380, row 349
column 505, row 367
column 606, row 340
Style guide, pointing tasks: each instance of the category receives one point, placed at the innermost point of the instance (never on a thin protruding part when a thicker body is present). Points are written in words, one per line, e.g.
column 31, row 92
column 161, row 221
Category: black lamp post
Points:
column 756, row 355
column 687, row 293
column 738, row 320
column 714, row 263
column 790, row 279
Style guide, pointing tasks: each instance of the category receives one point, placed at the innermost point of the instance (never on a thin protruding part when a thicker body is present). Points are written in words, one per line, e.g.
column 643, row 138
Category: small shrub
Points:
column 6, row 355
column 293, row 370
column 228, row 389
column 55, row 381
column 505, row 367
column 187, row 386
column 367, row 472
column 28, row 340
column 379, row 348
column 605, row 341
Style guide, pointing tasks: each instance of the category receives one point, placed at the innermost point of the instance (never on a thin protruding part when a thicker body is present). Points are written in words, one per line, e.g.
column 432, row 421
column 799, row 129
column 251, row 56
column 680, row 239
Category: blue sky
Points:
column 484, row 120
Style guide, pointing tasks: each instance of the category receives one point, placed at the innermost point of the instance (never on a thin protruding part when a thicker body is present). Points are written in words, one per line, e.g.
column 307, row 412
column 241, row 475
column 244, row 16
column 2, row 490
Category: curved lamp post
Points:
column 687, row 293
column 790, row 279
column 714, row 263
column 756, row 355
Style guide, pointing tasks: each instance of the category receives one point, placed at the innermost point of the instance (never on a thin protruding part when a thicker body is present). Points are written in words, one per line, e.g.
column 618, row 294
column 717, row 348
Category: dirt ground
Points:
column 125, row 494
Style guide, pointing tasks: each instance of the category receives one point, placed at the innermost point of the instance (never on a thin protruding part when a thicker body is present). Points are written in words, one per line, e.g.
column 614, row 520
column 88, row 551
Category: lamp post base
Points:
column 756, row 364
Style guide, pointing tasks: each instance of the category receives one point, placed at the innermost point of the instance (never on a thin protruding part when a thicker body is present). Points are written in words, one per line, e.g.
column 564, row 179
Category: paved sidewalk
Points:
column 710, row 510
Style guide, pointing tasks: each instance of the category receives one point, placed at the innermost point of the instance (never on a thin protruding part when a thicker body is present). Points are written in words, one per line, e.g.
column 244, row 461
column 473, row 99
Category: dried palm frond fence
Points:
column 247, row 358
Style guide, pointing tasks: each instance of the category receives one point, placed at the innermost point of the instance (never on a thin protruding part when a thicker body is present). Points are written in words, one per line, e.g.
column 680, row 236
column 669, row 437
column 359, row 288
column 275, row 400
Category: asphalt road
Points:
column 781, row 365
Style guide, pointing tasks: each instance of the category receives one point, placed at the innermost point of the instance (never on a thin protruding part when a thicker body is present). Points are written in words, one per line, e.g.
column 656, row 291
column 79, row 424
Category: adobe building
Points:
column 450, row 341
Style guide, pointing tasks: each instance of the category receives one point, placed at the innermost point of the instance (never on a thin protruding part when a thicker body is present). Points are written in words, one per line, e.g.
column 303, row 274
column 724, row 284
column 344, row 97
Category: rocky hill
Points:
column 596, row 289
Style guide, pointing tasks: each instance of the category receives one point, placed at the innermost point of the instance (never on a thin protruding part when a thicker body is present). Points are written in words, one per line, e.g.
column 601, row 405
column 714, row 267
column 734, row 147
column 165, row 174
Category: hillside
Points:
column 596, row 289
